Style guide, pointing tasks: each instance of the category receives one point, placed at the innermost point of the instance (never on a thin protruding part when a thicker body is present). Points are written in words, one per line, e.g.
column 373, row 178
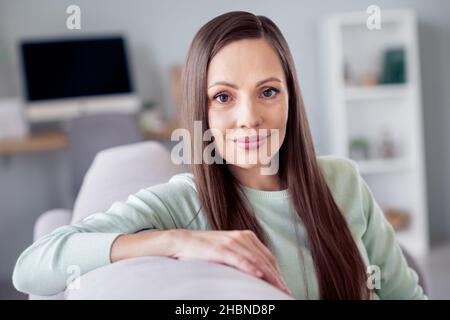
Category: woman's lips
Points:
column 250, row 142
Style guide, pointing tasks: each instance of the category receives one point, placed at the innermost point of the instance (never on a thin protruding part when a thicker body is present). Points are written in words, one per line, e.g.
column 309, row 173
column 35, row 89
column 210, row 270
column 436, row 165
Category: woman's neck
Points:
column 252, row 178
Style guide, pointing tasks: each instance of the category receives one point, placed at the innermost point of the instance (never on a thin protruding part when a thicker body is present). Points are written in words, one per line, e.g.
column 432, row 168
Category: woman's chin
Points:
column 248, row 165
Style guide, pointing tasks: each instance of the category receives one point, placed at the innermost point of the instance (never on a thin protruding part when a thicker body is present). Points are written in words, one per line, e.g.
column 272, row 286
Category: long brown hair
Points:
column 338, row 264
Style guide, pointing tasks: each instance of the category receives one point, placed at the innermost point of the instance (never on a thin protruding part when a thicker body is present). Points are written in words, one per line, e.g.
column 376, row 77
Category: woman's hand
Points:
column 240, row 249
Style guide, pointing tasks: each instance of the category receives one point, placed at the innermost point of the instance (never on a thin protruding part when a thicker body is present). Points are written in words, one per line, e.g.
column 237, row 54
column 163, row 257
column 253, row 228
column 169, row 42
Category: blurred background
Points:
column 374, row 76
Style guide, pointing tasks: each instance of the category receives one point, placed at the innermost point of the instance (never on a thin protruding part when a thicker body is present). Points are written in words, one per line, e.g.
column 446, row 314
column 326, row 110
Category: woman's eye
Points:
column 269, row 93
column 222, row 97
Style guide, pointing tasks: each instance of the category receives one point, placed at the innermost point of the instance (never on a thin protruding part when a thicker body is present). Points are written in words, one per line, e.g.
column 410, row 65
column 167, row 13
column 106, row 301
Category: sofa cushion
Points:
column 162, row 278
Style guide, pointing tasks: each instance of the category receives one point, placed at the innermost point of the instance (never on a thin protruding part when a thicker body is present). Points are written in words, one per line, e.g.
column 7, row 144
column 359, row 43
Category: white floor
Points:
column 7, row 291
column 437, row 272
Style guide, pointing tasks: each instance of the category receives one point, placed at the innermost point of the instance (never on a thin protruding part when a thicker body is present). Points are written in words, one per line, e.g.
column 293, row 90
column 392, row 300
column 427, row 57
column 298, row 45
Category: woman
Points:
column 310, row 227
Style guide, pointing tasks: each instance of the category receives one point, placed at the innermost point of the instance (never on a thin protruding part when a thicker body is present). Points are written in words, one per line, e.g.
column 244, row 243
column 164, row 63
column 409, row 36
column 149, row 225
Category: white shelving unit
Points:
column 352, row 52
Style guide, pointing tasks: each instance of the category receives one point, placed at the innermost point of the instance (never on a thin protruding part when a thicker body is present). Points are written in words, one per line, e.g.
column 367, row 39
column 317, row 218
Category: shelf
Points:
column 377, row 166
column 358, row 19
column 365, row 108
column 399, row 220
column 385, row 91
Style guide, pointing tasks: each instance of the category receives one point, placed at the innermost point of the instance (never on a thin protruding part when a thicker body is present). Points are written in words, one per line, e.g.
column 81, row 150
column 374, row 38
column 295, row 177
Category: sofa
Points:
column 138, row 166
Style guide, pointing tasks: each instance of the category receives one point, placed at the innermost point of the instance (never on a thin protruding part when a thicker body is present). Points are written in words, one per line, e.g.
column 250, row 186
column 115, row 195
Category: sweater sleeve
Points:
column 45, row 267
column 397, row 279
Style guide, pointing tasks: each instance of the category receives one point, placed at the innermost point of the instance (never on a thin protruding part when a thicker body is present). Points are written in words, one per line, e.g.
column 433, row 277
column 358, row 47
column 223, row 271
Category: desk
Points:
column 56, row 140
column 45, row 141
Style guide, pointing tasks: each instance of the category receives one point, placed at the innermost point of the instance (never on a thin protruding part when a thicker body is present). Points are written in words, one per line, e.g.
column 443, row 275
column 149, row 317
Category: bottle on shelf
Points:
column 388, row 148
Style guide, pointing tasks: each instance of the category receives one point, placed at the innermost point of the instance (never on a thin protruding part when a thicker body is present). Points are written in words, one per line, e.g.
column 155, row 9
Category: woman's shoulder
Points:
column 335, row 167
column 344, row 182
column 178, row 184
column 341, row 174
column 180, row 198
column 185, row 179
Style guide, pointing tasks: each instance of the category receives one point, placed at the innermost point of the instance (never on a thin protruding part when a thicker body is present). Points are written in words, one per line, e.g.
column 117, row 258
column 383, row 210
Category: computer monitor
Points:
column 67, row 77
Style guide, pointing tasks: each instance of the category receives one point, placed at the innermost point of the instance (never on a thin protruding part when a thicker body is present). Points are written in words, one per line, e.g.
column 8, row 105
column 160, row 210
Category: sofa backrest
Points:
column 91, row 133
column 120, row 171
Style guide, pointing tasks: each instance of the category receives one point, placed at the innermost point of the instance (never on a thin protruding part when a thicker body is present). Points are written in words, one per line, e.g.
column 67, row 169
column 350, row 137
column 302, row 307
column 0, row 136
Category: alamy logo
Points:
column 73, row 280
column 73, row 21
column 189, row 149
column 373, row 21
column 373, row 277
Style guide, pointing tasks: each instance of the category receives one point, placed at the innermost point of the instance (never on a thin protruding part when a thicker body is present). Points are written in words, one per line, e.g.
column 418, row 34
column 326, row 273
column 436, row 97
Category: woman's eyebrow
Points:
column 235, row 86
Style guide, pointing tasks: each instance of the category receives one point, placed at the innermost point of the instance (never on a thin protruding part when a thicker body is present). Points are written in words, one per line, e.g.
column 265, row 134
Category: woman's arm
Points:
column 45, row 267
column 102, row 238
column 398, row 280
column 238, row 248
column 155, row 243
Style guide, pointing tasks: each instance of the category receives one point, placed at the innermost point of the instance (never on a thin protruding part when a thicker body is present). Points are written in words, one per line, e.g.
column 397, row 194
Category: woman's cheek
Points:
column 276, row 117
column 219, row 124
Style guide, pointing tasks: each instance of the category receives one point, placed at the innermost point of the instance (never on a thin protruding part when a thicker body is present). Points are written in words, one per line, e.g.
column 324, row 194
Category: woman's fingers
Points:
column 237, row 256
column 254, row 254
column 235, row 248
column 234, row 259
column 268, row 256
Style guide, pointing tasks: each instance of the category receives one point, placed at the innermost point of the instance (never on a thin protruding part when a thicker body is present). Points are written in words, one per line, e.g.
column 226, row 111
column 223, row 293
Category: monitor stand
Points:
column 63, row 109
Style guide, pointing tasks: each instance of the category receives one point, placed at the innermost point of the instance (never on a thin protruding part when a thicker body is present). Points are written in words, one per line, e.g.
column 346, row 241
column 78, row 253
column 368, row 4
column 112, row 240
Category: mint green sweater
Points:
column 41, row 268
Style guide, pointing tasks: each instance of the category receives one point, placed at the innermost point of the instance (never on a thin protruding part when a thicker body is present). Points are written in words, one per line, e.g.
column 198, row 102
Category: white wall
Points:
column 159, row 33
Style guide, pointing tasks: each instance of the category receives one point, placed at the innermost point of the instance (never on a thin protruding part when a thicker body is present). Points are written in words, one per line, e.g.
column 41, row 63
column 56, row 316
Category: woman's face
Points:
column 247, row 102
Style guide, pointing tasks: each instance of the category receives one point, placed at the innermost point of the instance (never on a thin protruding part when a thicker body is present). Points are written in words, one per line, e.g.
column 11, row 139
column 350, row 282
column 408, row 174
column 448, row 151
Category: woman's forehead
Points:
column 245, row 61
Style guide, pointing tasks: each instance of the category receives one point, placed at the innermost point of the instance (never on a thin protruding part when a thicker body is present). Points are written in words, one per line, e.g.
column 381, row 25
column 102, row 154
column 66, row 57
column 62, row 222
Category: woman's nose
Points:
column 248, row 115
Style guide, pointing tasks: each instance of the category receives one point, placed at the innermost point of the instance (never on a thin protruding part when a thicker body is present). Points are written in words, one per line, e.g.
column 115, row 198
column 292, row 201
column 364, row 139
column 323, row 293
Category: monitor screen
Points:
column 69, row 68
